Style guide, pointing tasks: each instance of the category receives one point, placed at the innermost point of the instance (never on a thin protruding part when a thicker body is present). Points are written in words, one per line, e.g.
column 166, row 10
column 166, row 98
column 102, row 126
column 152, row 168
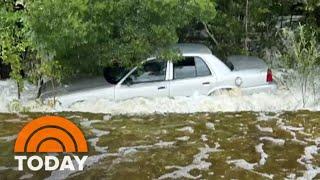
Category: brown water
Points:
column 219, row 145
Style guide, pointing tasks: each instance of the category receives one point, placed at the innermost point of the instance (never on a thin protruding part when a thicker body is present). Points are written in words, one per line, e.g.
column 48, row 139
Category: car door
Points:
column 148, row 80
column 191, row 76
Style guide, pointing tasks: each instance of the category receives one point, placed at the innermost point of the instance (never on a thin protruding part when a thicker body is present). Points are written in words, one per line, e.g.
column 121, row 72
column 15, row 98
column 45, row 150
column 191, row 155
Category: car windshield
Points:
column 150, row 71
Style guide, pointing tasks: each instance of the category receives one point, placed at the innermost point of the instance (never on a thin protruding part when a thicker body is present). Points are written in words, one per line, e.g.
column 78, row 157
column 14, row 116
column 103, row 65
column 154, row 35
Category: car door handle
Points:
column 206, row 83
column 161, row 87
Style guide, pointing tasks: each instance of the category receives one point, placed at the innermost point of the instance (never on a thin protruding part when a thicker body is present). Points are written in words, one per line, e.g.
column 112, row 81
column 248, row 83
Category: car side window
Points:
column 151, row 71
column 185, row 68
column 202, row 68
column 190, row 67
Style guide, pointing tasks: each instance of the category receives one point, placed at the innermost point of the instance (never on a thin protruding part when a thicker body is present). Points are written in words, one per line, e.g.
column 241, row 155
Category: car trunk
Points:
column 254, row 71
column 247, row 62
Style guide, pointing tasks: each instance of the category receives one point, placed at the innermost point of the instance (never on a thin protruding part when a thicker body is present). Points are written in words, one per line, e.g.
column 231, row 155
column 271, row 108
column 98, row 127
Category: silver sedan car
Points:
column 199, row 72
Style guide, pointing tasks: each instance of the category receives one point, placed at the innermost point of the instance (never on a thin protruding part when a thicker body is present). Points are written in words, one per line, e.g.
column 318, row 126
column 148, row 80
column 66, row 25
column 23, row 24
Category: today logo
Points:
column 50, row 134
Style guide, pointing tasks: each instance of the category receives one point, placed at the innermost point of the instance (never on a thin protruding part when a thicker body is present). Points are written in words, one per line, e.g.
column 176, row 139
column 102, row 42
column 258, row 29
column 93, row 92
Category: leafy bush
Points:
column 302, row 53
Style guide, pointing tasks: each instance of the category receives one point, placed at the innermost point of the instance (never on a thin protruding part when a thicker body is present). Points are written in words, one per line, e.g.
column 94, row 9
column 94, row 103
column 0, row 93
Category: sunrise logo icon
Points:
column 50, row 134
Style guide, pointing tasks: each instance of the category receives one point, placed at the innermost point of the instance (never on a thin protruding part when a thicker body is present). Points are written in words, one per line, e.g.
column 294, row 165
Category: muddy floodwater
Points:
column 246, row 145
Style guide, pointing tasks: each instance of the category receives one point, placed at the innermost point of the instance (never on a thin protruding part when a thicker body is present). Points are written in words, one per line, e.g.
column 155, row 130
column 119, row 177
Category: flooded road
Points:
column 283, row 99
column 205, row 145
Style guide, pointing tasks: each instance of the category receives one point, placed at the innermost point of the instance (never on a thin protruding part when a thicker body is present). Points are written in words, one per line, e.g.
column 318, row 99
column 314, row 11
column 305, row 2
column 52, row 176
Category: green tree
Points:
column 84, row 35
column 247, row 27
column 13, row 40
column 56, row 28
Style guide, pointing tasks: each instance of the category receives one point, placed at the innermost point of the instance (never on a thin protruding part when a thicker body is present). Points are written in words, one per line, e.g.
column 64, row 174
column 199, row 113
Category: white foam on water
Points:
column 131, row 150
column 86, row 123
column 107, row 117
column 3, row 168
column 291, row 128
column 198, row 163
column 279, row 142
column 204, row 137
column 187, row 129
column 9, row 93
column 243, row 164
column 161, row 144
column 99, row 133
column 26, row 176
column 265, row 117
column 210, row 125
column 291, row 176
column 282, row 100
column 264, row 129
column 265, row 175
column 91, row 160
column 13, row 120
column 93, row 142
column 183, row 138
column 263, row 155
column 8, row 138
column 306, row 160
column 164, row 144
column 292, row 131
column 7, row 90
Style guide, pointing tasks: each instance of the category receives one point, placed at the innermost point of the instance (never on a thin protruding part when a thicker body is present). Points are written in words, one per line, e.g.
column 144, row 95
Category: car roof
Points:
column 190, row 48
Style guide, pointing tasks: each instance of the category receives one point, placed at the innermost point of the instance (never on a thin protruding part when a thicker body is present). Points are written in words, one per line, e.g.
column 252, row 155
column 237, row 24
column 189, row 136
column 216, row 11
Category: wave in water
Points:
column 282, row 100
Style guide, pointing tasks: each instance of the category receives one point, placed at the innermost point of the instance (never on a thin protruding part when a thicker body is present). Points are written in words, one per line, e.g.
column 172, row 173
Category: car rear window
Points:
column 185, row 68
column 229, row 65
column 201, row 68
column 190, row 67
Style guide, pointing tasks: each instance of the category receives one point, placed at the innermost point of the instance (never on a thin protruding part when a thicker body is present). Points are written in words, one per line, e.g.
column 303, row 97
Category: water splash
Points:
column 285, row 99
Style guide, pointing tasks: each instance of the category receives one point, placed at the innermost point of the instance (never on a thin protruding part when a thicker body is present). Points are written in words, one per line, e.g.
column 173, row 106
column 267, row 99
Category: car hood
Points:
column 74, row 87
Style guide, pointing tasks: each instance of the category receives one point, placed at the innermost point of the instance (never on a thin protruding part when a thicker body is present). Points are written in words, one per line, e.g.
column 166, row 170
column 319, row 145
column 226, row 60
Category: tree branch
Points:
column 210, row 34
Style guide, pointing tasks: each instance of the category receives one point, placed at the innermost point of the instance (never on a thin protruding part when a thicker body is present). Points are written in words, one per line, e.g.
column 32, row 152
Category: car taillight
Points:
column 269, row 76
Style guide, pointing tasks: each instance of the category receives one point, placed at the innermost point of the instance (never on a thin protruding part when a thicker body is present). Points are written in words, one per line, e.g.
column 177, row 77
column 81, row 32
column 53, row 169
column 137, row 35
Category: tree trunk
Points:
column 19, row 90
column 40, row 86
column 54, row 94
column 246, row 27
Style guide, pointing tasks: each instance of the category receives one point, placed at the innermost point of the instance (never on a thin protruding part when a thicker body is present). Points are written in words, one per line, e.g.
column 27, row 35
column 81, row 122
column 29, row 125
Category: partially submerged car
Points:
column 199, row 72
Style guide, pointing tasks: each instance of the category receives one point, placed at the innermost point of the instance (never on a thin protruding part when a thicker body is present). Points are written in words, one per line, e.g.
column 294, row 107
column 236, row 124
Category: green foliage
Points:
column 57, row 27
column 16, row 106
column 58, row 39
column 229, row 28
column 13, row 39
column 303, row 55
column 302, row 49
column 83, row 36
column 313, row 14
column 265, row 19
column 55, row 39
